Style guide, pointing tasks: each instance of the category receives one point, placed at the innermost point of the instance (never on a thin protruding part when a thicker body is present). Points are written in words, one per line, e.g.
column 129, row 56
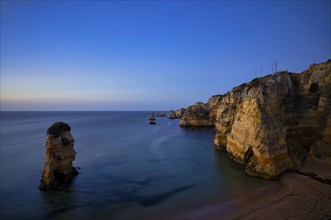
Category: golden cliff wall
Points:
column 197, row 115
column 271, row 124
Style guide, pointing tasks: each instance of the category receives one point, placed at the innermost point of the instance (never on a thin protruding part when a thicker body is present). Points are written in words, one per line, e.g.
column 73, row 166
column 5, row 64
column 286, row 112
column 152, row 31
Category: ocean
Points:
column 128, row 168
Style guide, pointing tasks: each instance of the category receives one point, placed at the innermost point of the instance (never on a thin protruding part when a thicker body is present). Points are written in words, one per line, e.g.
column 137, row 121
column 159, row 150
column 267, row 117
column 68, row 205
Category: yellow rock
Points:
column 271, row 123
column 60, row 154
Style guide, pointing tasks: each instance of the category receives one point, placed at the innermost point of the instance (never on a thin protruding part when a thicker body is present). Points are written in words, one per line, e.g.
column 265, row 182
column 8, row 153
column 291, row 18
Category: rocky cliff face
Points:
column 172, row 114
column 197, row 115
column 179, row 112
column 59, row 156
column 272, row 123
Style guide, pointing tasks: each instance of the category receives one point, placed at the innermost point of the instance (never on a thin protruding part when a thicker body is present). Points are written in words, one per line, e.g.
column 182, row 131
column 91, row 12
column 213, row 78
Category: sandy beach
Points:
column 305, row 194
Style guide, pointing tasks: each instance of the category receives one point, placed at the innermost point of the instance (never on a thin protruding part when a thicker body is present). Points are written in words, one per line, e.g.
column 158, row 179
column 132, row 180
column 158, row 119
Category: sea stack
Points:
column 152, row 119
column 162, row 114
column 172, row 114
column 60, row 154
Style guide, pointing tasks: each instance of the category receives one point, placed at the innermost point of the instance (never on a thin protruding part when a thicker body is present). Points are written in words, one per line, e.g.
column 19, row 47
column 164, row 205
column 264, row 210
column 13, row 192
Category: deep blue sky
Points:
column 147, row 55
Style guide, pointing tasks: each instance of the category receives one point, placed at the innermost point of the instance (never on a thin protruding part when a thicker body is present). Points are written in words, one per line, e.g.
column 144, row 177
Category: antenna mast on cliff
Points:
column 276, row 66
column 273, row 67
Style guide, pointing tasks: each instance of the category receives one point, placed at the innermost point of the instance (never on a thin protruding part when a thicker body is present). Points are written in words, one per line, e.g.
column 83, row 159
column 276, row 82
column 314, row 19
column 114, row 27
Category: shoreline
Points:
column 305, row 194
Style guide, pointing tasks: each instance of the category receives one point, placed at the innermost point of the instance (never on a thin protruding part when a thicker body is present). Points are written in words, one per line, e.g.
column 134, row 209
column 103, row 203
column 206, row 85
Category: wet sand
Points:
column 305, row 194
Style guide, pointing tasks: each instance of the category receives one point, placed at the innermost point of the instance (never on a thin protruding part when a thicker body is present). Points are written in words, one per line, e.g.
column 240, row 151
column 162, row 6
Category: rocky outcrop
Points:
column 60, row 154
column 180, row 112
column 197, row 115
column 172, row 114
column 161, row 114
column 152, row 119
column 201, row 114
column 272, row 123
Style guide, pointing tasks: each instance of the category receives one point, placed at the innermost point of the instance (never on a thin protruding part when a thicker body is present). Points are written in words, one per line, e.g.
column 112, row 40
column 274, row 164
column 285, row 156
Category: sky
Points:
column 150, row 55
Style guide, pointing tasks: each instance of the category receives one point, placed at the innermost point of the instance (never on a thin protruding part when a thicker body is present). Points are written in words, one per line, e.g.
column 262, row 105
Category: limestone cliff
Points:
column 179, row 112
column 272, row 123
column 59, row 156
column 196, row 115
column 172, row 114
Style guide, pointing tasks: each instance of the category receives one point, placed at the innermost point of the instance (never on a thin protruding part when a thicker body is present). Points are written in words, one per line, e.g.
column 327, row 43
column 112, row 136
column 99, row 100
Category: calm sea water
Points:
column 128, row 168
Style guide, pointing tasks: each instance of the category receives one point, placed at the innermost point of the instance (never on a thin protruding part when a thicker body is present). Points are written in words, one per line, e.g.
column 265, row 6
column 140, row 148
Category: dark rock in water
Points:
column 152, row 119
column 161, row 114
column 60, row 154
column 151, row 116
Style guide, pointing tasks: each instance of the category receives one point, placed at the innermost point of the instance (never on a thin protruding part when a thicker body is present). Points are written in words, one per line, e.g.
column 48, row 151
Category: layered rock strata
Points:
column 272, row 123
column 60, row 154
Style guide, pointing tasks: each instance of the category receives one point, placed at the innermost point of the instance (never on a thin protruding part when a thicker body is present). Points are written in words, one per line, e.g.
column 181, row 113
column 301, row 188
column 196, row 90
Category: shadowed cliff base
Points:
column 298, row 196
column 273, row 123
column 65, row 193
column 152, row 200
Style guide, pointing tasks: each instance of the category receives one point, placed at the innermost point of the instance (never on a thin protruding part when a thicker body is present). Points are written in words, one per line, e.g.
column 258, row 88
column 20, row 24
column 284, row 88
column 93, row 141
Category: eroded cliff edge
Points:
column 273, row 123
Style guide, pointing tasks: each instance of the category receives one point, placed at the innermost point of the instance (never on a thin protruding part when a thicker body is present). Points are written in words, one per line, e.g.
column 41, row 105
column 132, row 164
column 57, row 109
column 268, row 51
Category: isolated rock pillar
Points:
column 60, row 154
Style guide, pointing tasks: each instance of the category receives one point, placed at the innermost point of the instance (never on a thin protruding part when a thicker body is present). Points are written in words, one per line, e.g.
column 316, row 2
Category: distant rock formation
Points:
column 196, row 116
column 272, row 123
column 172, row 114
column 152, row 119
column 161, row 114
column 60, row 154
column 180, row 112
